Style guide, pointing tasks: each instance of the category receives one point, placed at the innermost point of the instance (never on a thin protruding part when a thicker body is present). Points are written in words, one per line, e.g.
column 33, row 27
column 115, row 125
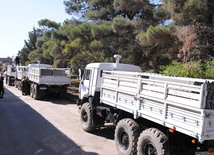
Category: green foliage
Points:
column 121, row 25
column 190, row 12
column 208, row 74
column 48, row 48
column 109, row 9
column 67, row 49
column 39, row 42
column 130, row 8
column 81, row 59
column 34, row 56
column 47, row 35
column 159, row 46
column 102, row 30
column 49, row 24
column 103, row 10
column 74, row 6
column 96, row 45
column 146, row 38
column 80, row 31
column 193, row 69
column 196, row 4
column 76, row 43
column 134, row 29
column 100, row 3
column 27, row 63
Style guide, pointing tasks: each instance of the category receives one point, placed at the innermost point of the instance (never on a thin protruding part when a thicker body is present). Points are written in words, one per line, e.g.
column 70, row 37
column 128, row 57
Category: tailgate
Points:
column 208, row 126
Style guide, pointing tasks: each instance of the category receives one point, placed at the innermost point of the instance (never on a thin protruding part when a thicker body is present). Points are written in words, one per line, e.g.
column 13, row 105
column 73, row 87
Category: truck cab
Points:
column 21, row 71
column 92, row 77
column 11, row 75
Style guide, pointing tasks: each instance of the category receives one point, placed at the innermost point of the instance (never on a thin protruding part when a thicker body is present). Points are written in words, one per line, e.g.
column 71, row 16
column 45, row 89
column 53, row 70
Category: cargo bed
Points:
column 185, row 104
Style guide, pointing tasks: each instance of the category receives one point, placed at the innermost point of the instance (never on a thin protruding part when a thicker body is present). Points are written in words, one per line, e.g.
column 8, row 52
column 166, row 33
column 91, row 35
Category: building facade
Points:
column 4, row 62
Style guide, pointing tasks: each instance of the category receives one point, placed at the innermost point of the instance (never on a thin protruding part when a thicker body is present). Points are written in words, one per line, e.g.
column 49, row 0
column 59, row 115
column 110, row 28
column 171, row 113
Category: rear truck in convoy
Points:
column 10, row 75
column 44, row 79
column 153, row 114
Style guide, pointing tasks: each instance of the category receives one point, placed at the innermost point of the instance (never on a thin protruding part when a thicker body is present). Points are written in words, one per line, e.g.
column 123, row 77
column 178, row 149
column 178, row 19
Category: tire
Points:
column 6, row 80
column 152, row 142
column 36, row 95
column 19, row 85
column 9, row 81
column 86, row 117
column 16, row 83
column 126, row 135
column 32, row 90
column 61, row 93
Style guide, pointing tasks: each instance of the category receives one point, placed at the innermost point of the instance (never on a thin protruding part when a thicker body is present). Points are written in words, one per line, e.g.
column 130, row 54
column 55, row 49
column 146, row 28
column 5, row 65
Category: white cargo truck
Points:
column 10, row 75
column 44, row 79
column 21, row 72
column 153, row 114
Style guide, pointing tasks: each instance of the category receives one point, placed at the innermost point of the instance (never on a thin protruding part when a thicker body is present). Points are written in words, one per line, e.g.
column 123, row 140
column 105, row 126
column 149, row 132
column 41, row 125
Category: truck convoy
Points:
column 153, row 114
column 40, row 79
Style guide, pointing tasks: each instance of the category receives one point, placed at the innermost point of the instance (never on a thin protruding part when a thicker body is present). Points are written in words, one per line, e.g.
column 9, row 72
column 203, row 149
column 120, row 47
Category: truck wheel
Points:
column 126, row 134
column 61, row 93
column 9, row 81
column 6, row 80
column 152, row 142
column 16, row 83
column 86, row 117
column 19, row 85
column 31, row 90
column 36, row 95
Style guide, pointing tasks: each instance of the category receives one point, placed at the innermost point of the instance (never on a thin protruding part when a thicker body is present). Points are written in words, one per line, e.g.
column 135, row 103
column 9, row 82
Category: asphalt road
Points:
column 47, row 127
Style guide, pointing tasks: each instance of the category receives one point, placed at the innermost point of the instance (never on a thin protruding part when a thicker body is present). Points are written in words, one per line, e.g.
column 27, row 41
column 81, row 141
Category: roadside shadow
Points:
column 23, row 131
column 63, row 100
column 106, row 131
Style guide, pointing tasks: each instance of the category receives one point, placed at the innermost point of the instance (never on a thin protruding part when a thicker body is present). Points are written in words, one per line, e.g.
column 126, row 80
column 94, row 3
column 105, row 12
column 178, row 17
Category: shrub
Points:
column 195, row 69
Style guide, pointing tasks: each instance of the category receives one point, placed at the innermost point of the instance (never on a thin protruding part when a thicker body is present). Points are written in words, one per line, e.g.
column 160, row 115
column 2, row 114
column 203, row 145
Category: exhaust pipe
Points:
column 38, row 63
column 117, row 60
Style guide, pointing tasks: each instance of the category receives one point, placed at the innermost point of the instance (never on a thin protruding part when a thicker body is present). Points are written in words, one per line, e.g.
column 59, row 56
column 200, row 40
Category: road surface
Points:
column 47, row 127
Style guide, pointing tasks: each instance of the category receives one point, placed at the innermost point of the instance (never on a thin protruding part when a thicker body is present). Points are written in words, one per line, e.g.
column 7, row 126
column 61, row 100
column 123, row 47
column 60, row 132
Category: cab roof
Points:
column 112, row 66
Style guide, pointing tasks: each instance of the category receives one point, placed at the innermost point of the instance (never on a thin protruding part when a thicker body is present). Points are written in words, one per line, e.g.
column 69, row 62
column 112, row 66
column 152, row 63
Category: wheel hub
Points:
column 85, row 116
column 149, row 149
column 124, row 140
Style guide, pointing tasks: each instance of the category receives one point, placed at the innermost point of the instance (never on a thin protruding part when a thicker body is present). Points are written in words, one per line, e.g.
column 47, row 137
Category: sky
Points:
column 18, row 17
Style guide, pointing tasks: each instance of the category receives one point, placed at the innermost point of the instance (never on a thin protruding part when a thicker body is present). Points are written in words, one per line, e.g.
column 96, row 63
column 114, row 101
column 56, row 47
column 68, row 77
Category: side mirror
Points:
column 79, row 75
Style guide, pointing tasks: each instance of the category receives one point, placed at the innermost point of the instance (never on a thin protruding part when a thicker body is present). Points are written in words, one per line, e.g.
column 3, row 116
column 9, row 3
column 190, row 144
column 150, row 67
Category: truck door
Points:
column 85, row 83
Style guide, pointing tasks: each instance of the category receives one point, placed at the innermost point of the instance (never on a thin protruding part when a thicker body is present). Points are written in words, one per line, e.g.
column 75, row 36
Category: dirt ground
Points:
column 48, row 126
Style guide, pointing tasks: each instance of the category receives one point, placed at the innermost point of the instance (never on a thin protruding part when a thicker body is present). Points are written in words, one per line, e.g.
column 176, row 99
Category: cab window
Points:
column 13, row 69
column 101, row 73
column 87, row 73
